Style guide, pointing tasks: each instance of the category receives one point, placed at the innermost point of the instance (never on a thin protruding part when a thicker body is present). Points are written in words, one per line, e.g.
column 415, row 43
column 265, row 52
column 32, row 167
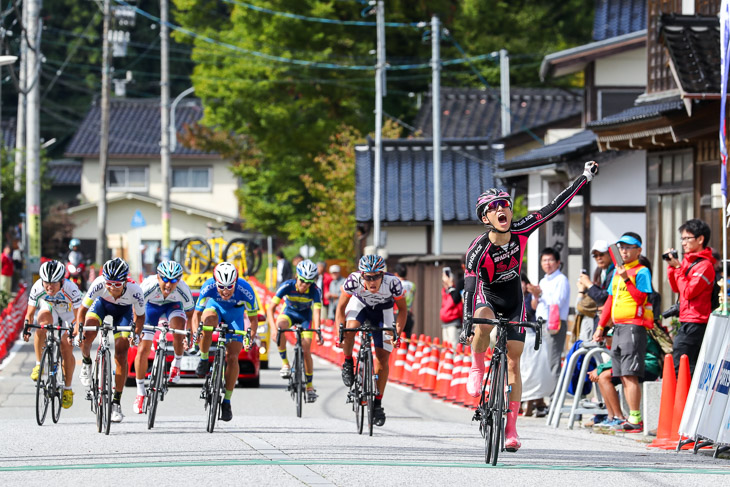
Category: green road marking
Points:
column 270, row 463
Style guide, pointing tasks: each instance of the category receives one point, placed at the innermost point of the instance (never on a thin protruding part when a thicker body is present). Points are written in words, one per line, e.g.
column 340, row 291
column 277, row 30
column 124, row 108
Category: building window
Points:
column 612, row 101
column 191, row 178
column 127, row 178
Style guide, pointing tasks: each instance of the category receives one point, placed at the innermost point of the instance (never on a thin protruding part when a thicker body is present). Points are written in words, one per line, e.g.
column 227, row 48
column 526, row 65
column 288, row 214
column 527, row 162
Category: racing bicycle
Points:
column 364, row 388
column 101, row 391
column 494, row 400
column 157, row 386
column 49, row 385
column 214, row 387
column 297, row 381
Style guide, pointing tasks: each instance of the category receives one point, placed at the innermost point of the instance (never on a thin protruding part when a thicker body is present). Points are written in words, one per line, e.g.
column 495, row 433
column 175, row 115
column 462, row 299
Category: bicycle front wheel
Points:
column 496, row 412
column 42, row 383
column 357, row 397
column 299, row 381
column 215, row 392
column 369, row 389
column 107, row 391
column 57, row 383
column 158, row 372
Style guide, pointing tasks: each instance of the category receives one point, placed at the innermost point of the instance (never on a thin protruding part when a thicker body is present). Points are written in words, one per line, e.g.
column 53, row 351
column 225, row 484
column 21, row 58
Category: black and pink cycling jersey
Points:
column 492, row 276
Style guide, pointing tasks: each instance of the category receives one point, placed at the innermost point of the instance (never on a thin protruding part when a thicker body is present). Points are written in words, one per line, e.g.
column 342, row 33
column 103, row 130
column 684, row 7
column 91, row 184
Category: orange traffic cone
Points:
column 462, row 397
column 666, row 407
column 422, row 364
column 443, row 377
column 454, row 385
column 410, row 357
column 416, row 365
column 680, row 398
column 400, row 360
column 430, row 371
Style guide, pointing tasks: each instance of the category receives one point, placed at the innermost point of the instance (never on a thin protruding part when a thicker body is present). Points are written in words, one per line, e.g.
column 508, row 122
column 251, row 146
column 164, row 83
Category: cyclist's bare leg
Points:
column 141, row 361
column 479, row 346
column 209, row 318
column 307, row 352
column 232, row 351
column 89, row 336
column 382, row 369
column 282, row 324
column 514, row 352
column 39, row 340
column 69, row 362
column 121, row 348
column 348, row 341
column 178, row 323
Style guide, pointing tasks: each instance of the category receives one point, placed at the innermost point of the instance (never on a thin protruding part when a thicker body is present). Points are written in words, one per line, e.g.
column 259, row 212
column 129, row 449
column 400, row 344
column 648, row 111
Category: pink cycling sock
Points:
column 510, row 429
column 477, row 361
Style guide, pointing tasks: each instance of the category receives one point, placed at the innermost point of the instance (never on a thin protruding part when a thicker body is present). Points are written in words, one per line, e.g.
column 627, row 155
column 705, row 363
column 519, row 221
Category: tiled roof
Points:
column 134, row 128
column 580, row 143
column 8, row 132
column 616, row 17
column 407, row 188
column 65, row 172
column 641, row 112
column 474, row 113
column 693, row 43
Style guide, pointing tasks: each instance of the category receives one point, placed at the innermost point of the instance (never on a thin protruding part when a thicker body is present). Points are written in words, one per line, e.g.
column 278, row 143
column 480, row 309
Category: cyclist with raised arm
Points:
column 303, row 302
column 375, row 292
column 228, row 298
column 492, row 284
column 165, row 296
column 53, row 297
column 115, row 295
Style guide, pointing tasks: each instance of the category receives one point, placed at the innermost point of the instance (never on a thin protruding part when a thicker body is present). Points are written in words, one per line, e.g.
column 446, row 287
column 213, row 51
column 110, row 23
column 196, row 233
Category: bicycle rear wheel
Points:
column 158, row 372
column 107, row 391
column 370, row 389
column 215, row 392
column 57, row 383
column 299, row 382
column 357, row 396
column 42, row 383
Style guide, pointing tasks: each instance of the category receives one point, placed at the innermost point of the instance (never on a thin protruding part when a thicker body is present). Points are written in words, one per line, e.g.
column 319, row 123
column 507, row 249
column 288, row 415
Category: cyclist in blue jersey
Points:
column 303, row 302
column 230, row 299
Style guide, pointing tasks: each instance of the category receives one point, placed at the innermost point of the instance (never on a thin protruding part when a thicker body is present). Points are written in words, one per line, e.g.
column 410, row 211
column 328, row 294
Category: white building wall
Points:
column 621, row 181
column 624, row 69
column 458, row 238
column 404, row 240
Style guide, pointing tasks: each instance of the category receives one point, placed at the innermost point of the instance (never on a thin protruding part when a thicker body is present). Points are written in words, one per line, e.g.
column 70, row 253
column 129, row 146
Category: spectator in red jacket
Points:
column 324, row 279
column 6, row 274
column 693, row 279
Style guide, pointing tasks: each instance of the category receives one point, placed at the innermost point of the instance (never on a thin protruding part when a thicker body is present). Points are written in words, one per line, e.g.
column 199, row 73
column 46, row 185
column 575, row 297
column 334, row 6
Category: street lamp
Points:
column 4, row 61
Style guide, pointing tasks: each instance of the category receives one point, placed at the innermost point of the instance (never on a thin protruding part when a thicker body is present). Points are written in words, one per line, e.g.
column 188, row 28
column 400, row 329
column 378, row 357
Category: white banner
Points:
column 713, row 411
column 723, row 436
column 704, row 375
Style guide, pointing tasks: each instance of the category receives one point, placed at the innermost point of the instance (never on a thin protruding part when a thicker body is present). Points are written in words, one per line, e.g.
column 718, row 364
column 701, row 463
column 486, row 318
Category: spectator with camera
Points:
column 693, row 279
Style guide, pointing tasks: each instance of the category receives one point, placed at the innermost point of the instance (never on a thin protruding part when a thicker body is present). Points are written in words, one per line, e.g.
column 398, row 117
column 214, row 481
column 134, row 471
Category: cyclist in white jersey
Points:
column 166, row 296
column 375, row 293
column 53, row 297
column 112, row 294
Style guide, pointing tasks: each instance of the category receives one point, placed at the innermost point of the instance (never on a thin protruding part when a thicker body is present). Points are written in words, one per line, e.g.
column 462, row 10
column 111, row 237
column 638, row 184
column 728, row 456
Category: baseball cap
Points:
column 334, row 268
column 600, row 246
column 630, row 239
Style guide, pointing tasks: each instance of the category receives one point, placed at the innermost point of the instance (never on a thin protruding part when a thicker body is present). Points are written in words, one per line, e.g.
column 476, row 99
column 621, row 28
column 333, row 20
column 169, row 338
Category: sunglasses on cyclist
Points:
column 306, row 281
column 221, row 287
column 494, row 204
column 114, row 283
column 372, row 277
column 164, row 279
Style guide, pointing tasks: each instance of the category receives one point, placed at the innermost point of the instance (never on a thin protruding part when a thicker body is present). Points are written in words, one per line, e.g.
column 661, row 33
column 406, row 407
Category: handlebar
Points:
column 166, row 329
column 299, row 329
column 364, row 328
column 50, row 326
column 505, row 322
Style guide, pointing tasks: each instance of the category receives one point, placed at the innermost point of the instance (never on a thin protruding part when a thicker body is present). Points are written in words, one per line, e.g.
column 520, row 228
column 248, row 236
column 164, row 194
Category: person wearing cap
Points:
column 628, row 308
column 597, row 288
column 333, row 293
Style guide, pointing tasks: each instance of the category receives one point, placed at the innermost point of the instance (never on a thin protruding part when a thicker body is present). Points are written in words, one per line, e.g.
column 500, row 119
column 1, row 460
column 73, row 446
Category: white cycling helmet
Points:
column 307, row 270
column 52, row 271
column 225, row 274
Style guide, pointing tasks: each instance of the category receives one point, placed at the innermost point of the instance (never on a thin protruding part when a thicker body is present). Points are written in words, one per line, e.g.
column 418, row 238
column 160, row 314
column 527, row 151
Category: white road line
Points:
column 13, row 352
column 299, row 472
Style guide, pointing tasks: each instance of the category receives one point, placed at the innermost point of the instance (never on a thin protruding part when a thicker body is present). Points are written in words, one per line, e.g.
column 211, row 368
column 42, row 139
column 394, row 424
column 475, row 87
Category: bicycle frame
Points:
column 297, row 381
column 494, row 400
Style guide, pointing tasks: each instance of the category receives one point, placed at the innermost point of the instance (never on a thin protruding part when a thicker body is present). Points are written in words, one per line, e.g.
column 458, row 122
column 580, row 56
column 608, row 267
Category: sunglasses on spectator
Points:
column 222, row 287
column 627, row 247
column 493, row 205
column 372, row 277
column 164, row 279
column 114, row 283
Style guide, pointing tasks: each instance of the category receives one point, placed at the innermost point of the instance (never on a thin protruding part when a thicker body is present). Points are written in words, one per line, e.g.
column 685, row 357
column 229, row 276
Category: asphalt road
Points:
column 424, row 442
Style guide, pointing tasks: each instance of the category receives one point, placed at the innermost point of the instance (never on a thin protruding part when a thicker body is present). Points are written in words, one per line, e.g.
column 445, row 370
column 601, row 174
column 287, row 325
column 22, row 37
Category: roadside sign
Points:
column 138, row 220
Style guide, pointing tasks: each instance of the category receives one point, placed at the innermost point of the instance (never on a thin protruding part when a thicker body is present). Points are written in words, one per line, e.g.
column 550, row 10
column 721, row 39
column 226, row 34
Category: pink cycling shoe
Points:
column 476, row 375
column 511, row 440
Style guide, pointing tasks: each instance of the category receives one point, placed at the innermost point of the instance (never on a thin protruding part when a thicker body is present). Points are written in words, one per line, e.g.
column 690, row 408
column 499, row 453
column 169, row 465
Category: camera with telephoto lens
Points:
column 671, row 312
column 672, row 253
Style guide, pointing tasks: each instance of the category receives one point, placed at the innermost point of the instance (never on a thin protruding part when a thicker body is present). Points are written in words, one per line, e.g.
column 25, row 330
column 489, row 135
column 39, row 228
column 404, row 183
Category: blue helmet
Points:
column 75, row 242
column 115, row 270
column 169, row 270
column 371, row 263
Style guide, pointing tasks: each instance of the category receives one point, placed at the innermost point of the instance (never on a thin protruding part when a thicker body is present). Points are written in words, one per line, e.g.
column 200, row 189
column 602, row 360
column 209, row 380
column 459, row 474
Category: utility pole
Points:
column 504, row 92
column 165, row 126
column 20, row 140
column 436, row 104
column 104, row 136
column 379, row 75
column 33, row 133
